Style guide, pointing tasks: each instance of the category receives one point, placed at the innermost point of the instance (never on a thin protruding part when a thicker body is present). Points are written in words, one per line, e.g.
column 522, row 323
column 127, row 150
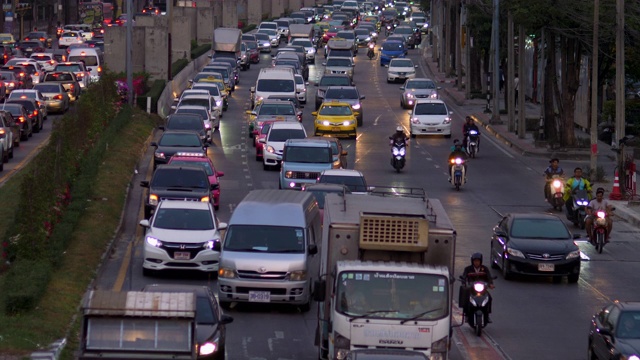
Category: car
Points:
column 363, row 36
column 180, row 235
column 330, row 80
column 391, row 49
column 70, row 37
column 350, row 36
column 10, row 81
column 535, row 244
column 46, row 60
column 8, row 132
column 7, row 53
column 615, row 332
column 335, row 118
column 15, row 126
column 320, row 190
column 211, row 323
column 68, row 81
column 151, row 10
column 7, row 39
column 308, row 46
column 82, row 74
column 21, row 117
column 418, row 88
column 33, row 69
column 293, row 64
column 301, row 88
column 408, row 33
column 41, row 36
column 34, row 94
column 401, row 69
column 196, row 95
column 218, row 93
column 274, row 37
column 262, row 134
column 186, row 121
column 271, row 110
column 200, row 159
column 348, row 94
column 430, row 117
column 400, row 38
column 339, row 65
column 33, row 112
column 339, row 153
column 273, row 143
column 385, row 354
column 173, row 141
column 230, row 63
column 331, row 32
column 302, row 162
column 352, row 179
column 225, row 71
column 210, row 123
column 27, row 47
column 264, row 41
column 212, row 119
column 252, row 51
column 26, row 81
column 56, row 98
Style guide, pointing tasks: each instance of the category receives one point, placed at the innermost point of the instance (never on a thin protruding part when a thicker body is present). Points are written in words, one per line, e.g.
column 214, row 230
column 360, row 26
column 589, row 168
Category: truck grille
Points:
column 305, row 175
column 382, row 232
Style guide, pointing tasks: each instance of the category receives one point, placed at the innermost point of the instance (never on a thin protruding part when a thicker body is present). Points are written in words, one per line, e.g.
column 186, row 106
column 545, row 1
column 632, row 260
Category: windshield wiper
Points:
column 419, row 315
column 369, row 313
column 244, row 249
column 287, row 251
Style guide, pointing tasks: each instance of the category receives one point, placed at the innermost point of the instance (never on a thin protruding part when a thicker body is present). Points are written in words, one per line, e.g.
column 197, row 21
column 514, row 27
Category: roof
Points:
column 342, row 172
column 267, row 207
column 399, row 266
column 199, row 290
column 429, row 101
column 307, row 142
column 139, row 304
column 286, row 125
column 180, row 204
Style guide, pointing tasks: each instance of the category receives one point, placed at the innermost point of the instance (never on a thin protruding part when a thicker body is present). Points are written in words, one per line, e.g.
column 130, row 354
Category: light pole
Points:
column 594, row 91
column 129, row 53
column 495, row 116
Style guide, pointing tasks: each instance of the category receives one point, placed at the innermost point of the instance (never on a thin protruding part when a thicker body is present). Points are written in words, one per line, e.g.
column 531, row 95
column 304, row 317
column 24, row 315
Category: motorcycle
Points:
column 387, row 30
column 474, row 299
column 371, row 52
column 398, row 153
column 472, row 143
column 458, row 176
column 555, row 190
column 578, row 208
column 599, row 232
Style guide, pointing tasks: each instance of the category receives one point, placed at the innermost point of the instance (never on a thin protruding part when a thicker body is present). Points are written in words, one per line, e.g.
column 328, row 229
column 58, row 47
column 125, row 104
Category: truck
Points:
column 227, row 42
column 300, row 31
column 386, row 270
column 138, row 325
column 94, row 13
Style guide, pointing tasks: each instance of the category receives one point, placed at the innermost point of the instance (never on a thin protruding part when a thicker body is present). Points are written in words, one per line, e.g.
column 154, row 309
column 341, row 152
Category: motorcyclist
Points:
column 398, row 136
column 549, row 172
column 482, row 273
column 370, row 47
column 577, row 182
column 457, row 151
column 468, row 126
column 595, row 205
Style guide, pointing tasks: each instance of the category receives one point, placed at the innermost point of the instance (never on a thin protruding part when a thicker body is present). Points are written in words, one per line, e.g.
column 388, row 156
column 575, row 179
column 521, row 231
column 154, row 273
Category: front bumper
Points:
column 271, row 159
column 290, row 292
column 530, row 267
column 428, row 129
column 158, row 259
column 391, row 76
column 337, row 131
column 302, row 96
column 385, row 58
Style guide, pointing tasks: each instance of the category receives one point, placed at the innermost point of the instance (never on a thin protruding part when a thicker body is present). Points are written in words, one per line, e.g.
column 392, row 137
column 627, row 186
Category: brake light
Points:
column 42, row 39
column 21, row 118
column 23, row 97
column 99, row 69
column 71, row 86
column 51, row 62
column 57, row 97
column 36, row 74
column 35, row 112
column 2, row 133
column 21, row 74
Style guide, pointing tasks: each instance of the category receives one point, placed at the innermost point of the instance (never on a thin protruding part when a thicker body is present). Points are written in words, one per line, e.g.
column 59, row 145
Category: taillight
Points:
column 36, row 74
column 51, row 62
column 21, row 75
column 99, row 69
column 2, row 133
column 35, row 112
column 71, row 86
column 79, row 74
column 57, row 97
column 21, row 118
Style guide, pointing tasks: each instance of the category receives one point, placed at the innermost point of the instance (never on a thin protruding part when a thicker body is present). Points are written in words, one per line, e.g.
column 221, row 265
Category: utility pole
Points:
column 129, row 54
column 447, row 37
column 495, row 116
column 467, row 53
column 620, row 88
column 510, row 99
column 458, row 31
column 522, row 84
column 594, row 91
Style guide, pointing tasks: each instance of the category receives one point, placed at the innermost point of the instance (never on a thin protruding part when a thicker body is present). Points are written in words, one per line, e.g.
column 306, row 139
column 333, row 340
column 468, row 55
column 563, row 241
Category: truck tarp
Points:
column 301, row 31
column 227, row 40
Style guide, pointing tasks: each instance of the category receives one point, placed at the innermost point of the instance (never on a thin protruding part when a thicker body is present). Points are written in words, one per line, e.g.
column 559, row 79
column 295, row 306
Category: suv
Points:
column 186, row 121
column 33, row 110
column 279, row 133
column 83, row 76
column 176, row 182
column 339, row 65
column 303, row 160
column 330, row 80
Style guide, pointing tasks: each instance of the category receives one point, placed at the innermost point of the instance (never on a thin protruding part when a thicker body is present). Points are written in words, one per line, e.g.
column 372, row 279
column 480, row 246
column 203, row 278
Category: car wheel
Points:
column 573, row 278
column 448, row 136
column 590, row 354
column 506, row 274
column 5, row 157
column 360, row 122
column 265, row 167
column 306, row 307
column 258, row 158
column 413, row 136
column 216, row 207
column 492, row 259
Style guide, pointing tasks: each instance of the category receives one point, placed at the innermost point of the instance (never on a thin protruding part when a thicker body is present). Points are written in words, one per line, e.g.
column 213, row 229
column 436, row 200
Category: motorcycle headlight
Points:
column 557, row 183
column 226, row 273
column 218, row 102
column 516, row 253
column 207, row 349
column 601, row 214
column 458, row 161
column 582, row 203
column 396, row 151
column 478, row 287
column 631, row 357
column 485, row 301
column 368, row 39
column 403, row 151
column 153, row 241
column 473, row 132
column 300, row 275
column 573, row 255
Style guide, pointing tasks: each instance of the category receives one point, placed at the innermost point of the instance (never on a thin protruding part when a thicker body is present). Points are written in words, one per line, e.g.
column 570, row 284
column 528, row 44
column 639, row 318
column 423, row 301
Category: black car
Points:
column 22, row 118
column 615, row 332
column 33, row 110
column 186, row 121
column 535, row 244
column 173, row 141
column 210, row 321
column 330, row 80
column 176, row 182
column 29, row 47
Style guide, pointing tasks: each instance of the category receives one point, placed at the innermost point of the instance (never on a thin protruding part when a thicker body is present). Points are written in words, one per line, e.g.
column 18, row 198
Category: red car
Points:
column 184, row 158
column 331, row 33
column 261, row 135
column 252, row 51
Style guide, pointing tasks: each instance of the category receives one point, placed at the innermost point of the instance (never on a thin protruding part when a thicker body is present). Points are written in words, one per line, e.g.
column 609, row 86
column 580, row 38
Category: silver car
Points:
column 264, row 42
column 339, row 65
column 418, row 88
column 348, row 94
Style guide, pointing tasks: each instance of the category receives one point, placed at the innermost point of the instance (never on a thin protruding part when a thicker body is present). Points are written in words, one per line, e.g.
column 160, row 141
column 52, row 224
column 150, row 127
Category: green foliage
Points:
column 177, row 66
column 600, row 174
column 248, row 28
column 154, row 93
column 194, row 44
column 200, row 50
column 25, row 283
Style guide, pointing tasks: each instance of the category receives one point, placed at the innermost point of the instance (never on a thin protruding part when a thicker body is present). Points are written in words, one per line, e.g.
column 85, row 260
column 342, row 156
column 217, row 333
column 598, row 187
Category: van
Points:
column 272, row 81
column 91, row 58
column 267, row 255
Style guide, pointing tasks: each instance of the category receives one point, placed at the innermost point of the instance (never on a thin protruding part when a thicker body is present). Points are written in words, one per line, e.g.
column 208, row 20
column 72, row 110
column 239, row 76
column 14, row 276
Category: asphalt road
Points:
column 532, row 318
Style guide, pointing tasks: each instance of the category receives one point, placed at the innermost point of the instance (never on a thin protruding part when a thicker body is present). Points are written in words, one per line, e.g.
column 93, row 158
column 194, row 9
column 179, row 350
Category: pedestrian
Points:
column 516, row 87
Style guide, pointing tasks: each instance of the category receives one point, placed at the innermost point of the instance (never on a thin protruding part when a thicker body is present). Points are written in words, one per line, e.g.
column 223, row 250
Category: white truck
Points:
column 227, row 42
column 386, row 270
column 138, row 325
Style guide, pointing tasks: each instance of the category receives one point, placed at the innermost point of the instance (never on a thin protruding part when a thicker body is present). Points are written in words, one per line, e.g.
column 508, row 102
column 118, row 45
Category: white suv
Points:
column 279, row 132
column 430, row 117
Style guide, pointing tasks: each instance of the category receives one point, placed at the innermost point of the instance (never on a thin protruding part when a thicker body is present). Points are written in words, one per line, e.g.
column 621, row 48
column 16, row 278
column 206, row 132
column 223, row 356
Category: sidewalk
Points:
column 626, row 210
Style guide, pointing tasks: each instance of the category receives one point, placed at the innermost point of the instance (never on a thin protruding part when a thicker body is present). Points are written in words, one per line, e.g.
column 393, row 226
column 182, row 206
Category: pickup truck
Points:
column 68, row 81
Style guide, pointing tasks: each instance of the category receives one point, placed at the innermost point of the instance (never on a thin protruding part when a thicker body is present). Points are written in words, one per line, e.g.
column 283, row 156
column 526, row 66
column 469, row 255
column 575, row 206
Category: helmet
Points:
column 476, row 256
column 468, row 118
column 399, row 129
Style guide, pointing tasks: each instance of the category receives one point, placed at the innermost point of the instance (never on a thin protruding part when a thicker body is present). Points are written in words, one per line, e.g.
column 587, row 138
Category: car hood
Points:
column 206, row 332
column 401, row 69
column 184, row 236
column 171, row 150
column 421, row 91
column 628, row 346
column 263, row 118
column 261, row 262
column 543, row 246
column 339, row 68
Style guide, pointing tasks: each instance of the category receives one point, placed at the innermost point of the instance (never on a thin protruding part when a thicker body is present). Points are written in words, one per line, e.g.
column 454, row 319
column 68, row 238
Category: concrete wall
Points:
column 217, row 12
column 294, row 5
column 230, row 14
column 309, row 3
column 243, row 11
column 266, row 9
column 115, row 44
column 254, row 12
column 156, row 52
column 181, row 38
column 277, row 8
column 191, row 13
column 206, row 22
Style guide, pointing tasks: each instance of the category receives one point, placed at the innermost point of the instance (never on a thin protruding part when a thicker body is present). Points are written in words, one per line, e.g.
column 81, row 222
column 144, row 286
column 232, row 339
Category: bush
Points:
column 177, row 66
column 248, row 28
column 199, row 51
column 154, row 93
column 25, row 283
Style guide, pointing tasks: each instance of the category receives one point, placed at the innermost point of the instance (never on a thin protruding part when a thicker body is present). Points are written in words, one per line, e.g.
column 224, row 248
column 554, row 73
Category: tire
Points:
column 492, row 260
column 360, row 121
column 590, row 354
column 148, row 272
column 478, row 324
column 265, row 166
column 573, row 278
column 216, row 207
column 506, row 274
column 306, row 307
column 258, row 158
column 448, row 136
column 599, row 242
column 11, row 153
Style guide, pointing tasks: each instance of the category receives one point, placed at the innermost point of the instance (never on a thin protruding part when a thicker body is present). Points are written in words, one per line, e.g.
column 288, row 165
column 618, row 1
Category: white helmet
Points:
column 399, row 129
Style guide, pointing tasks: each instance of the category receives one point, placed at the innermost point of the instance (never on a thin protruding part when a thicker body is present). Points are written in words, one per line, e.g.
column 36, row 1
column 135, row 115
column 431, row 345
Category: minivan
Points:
column 273, row 81
column 91, row 58
column 267, row 255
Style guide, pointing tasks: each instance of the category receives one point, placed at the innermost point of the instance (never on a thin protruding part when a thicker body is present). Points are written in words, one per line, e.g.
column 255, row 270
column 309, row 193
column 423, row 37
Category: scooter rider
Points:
column 483, row 274
column 457, row 151
column 370, row 48
column 468, row 126
column 549, row 172
column 595, row 205
column 398, row 136
column 577, row 182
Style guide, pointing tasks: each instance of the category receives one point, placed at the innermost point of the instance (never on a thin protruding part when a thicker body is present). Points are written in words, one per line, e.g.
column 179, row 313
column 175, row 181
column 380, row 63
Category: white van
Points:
column 91, row 58
column 273, row 81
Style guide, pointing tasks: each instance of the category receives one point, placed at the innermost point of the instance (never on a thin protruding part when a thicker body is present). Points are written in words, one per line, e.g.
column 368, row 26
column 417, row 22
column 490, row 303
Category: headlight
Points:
column 374, row 34
column 207, row 126
column 300, row 275
column 582, row 203
column 557, row 183
column 324, row 123
column 631, row 357
column 270, row 149
column 516, row 253
column 218, row 102
column 153, row 199
column 415, row 120
column 410, row 96
column 207, row 349
column 226, row 273
column 311, row 51
column 446, row 121
column 209, row 244
column 601, row 214
column 341, row 347
column 367, row 39
column 478, row 287
column 573, row 255
column 205, row 199
column 347, row 123
column 153, row 241
column 439, row 348
column 159, row 155
column 288, row 174
column 356, row 106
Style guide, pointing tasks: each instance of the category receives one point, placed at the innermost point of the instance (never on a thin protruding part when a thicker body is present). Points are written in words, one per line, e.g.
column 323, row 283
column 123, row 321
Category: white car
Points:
column 279, row 132
column 7, row 141
column 309, row 48
column 70, row 37
column 430, row 117
column 202, row 97
column 204, row 112
column 352, row 179
column 181, row 235
column 274, row 37
column 46, row 60
column 401, row 69
column 301, row 89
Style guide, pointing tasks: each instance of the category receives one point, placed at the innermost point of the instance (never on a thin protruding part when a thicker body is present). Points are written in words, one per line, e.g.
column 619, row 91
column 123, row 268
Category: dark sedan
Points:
column 21, row 115
column 535, row 244
column 210, row 322
column 615, row 332
column 173, row 141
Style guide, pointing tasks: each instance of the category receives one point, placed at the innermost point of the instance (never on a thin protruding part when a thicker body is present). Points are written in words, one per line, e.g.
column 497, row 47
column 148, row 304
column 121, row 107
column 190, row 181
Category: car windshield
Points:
column 71, row 68
column 430, row 109
column 299, row 80
column 335, row 81
column 87, row 60
column 262, row 238
column 533, row 228
column 213, row 90
column 354, row 183
column 183, row 219
column 261, row 36
column 338, row 62
column 346, row 35
column 275, row 85
column 252, row 45
column 288, row 62
column 629, row 325
column 206, row 165
column 195, row 102
column 180, row 178
column 341, row 94
column 420, row 84
column 223, row 72
column 282, row 23
column 401, row 63
column 273, row 26
column 276, row 109
column 202, row 112
column 362, row 32
column 392, row 46
column 187, row 140
column 265, row 129
column 7, row 75
column 269, row 32
column 335, row 110
column 282, row 135
column 308, row 154
column 189, row 122
column 48, row 88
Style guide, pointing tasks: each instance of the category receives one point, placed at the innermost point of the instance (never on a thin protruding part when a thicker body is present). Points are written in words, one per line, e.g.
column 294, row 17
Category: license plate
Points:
column 546, row 267
column 335, row 128
column 431, row 128
column 279, row 117
column 182, row 255
column 29, row 49
column 259, row 296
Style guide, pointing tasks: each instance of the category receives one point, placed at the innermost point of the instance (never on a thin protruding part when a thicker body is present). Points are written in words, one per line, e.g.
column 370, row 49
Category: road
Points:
column 532, row 318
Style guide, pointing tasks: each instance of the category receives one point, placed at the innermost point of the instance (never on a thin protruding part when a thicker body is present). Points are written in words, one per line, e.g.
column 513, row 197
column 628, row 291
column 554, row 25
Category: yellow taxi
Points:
column 335, row 118
column 7, row 39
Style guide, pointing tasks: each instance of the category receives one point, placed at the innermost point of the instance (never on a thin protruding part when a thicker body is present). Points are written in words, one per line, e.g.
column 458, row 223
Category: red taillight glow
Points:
column 35, row 112
column 21, row 118
column 99, row 69
column 57, row 97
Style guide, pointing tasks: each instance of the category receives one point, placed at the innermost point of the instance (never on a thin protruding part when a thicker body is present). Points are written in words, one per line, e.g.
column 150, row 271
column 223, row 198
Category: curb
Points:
column 626, row 214
column 53, row 353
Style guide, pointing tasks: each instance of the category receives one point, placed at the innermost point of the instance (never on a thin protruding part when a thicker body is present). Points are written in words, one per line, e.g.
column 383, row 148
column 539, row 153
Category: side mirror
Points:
column 219, row 173
column 222, row 226
column 319, row 290
column 262, row 141
column 362, row 97
column 415, row 66
column 154, row 144
column 315, row 113
column 306, row 83
column 191, row 80
column 387, row 66
column 176, row 99
column 144, row 223
column 226, row 319
column 144, row 183
column 450, row 112
column 173, row 107
column 410, row 112
column 439, row 88
column 401, row 87
column 499, row 232
column 344, row 153
column 252, row 89
column 324, row 64
column 355, row 113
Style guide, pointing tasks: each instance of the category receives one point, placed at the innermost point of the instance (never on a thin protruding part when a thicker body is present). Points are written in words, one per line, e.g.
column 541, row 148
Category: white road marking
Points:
column 375, row 122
